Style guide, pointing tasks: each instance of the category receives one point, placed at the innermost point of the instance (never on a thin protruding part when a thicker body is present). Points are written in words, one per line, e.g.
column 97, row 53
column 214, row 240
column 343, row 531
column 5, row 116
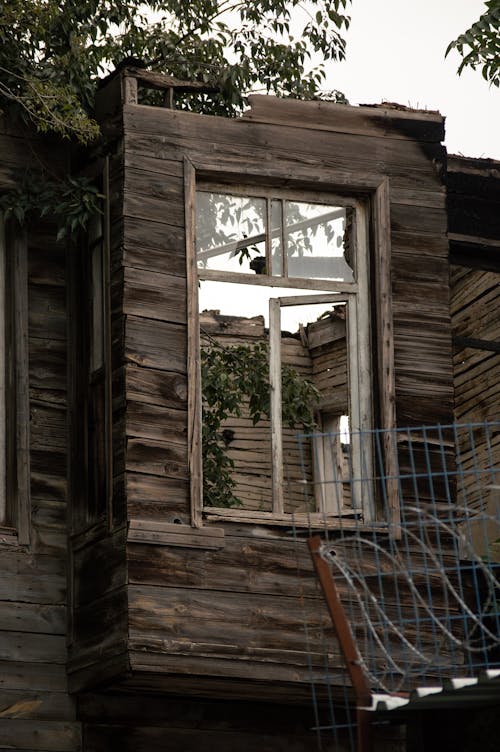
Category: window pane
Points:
column 314, row 472
column 236, row 429
column 230, row 233
column 318, row 241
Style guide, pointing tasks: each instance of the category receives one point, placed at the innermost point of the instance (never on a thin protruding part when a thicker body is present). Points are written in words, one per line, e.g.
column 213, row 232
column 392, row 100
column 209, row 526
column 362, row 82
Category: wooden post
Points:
column 108, row 365
column 347, row 645
column 275, row 397
column 193, row 351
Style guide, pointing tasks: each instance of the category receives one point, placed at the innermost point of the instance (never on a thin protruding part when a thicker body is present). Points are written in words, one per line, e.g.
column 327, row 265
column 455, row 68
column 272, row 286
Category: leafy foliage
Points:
column 235, row 381
column 479, row 46
column 71, row 202
column 53, row 52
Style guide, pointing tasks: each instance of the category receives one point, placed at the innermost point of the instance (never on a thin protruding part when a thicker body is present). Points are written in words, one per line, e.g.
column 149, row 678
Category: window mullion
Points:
column 3, row 361
column 268, row 231
column 284, row 240
column 275, row 399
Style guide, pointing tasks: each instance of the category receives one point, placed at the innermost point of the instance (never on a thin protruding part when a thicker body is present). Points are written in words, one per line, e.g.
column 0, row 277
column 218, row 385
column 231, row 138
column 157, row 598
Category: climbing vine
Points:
column 235, row 382
column 70, row 202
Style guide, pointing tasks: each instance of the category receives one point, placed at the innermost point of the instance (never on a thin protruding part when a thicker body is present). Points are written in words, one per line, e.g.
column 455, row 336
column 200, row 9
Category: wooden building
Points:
column 136, row 613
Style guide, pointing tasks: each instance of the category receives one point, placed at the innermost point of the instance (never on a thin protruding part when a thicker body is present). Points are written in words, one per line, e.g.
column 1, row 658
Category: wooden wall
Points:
column 474, row 230
column 157, row 606
column 98, row 601
column 36, row 711
column 474, row 225
column 230, row 608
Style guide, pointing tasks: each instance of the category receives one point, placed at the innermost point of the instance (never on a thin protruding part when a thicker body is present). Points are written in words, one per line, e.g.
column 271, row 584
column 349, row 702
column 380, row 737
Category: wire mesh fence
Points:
column 415, row 552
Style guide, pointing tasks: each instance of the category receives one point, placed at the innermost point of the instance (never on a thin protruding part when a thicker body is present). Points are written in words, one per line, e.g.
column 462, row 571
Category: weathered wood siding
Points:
column 98, row 600
column 36, row 712
column 237, row 616
column 474, row 228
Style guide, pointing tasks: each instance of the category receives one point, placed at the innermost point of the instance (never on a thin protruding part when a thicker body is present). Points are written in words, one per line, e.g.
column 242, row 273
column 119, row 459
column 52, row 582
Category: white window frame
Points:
column 357, row 296
column 374, row 189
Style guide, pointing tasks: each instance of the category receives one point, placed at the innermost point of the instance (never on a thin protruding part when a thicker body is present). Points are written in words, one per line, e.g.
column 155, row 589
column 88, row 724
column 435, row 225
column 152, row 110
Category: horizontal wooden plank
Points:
column 152, row 178
column 156, row 344
column 47, row 363
column 36, row 705
column 48, row 429
column 154, row 295
column 164, row 533
column 40, row 736
column 29, row 578
column 168, row 619
column 158, row 498
column 156, row 257
column 206, row 666
column 46, row 312
column 27, row 676
column 423, row 219
column 419, row 246
column 157, row 458
column 327, row 165
column 150, row 165
column 246, row 564
column 153, row 235
column 156, row 422
column 33, row 617
column 192, row 133
column 156, row 387
column 166, row 211
column 384, row 119
column 30, row 646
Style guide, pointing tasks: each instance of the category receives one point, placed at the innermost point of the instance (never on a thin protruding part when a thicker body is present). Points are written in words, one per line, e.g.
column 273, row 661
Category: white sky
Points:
column 395, row 53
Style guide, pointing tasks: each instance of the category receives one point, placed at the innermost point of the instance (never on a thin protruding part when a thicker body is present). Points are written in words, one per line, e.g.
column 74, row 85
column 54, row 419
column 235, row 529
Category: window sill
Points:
column 314, row 520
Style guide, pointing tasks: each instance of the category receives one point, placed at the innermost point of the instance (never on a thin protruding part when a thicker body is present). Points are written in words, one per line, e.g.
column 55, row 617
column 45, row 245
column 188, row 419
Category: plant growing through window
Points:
column 284, row 348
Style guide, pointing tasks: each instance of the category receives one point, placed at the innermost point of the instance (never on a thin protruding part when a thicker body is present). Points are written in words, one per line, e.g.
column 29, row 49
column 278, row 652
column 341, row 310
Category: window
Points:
column 14, row 406
column 284, row 347
column 92, row 477
column 91, row 452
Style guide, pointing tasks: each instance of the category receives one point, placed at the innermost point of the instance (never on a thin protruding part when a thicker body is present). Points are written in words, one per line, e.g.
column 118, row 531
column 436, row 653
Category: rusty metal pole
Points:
column 347, row 645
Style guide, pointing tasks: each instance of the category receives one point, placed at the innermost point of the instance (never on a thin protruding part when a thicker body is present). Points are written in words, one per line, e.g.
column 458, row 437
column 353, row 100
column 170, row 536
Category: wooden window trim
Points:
column 90, row 343
column 377, row 191
column 15, row 501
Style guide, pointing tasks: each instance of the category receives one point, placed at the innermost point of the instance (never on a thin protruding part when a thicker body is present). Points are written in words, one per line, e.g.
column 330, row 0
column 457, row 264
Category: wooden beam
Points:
column 154, row 80
column 171, row 534
column 17, row 239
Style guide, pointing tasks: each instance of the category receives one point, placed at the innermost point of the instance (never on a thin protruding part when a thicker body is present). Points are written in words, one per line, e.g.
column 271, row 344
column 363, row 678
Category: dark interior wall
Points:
column 474, row 211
